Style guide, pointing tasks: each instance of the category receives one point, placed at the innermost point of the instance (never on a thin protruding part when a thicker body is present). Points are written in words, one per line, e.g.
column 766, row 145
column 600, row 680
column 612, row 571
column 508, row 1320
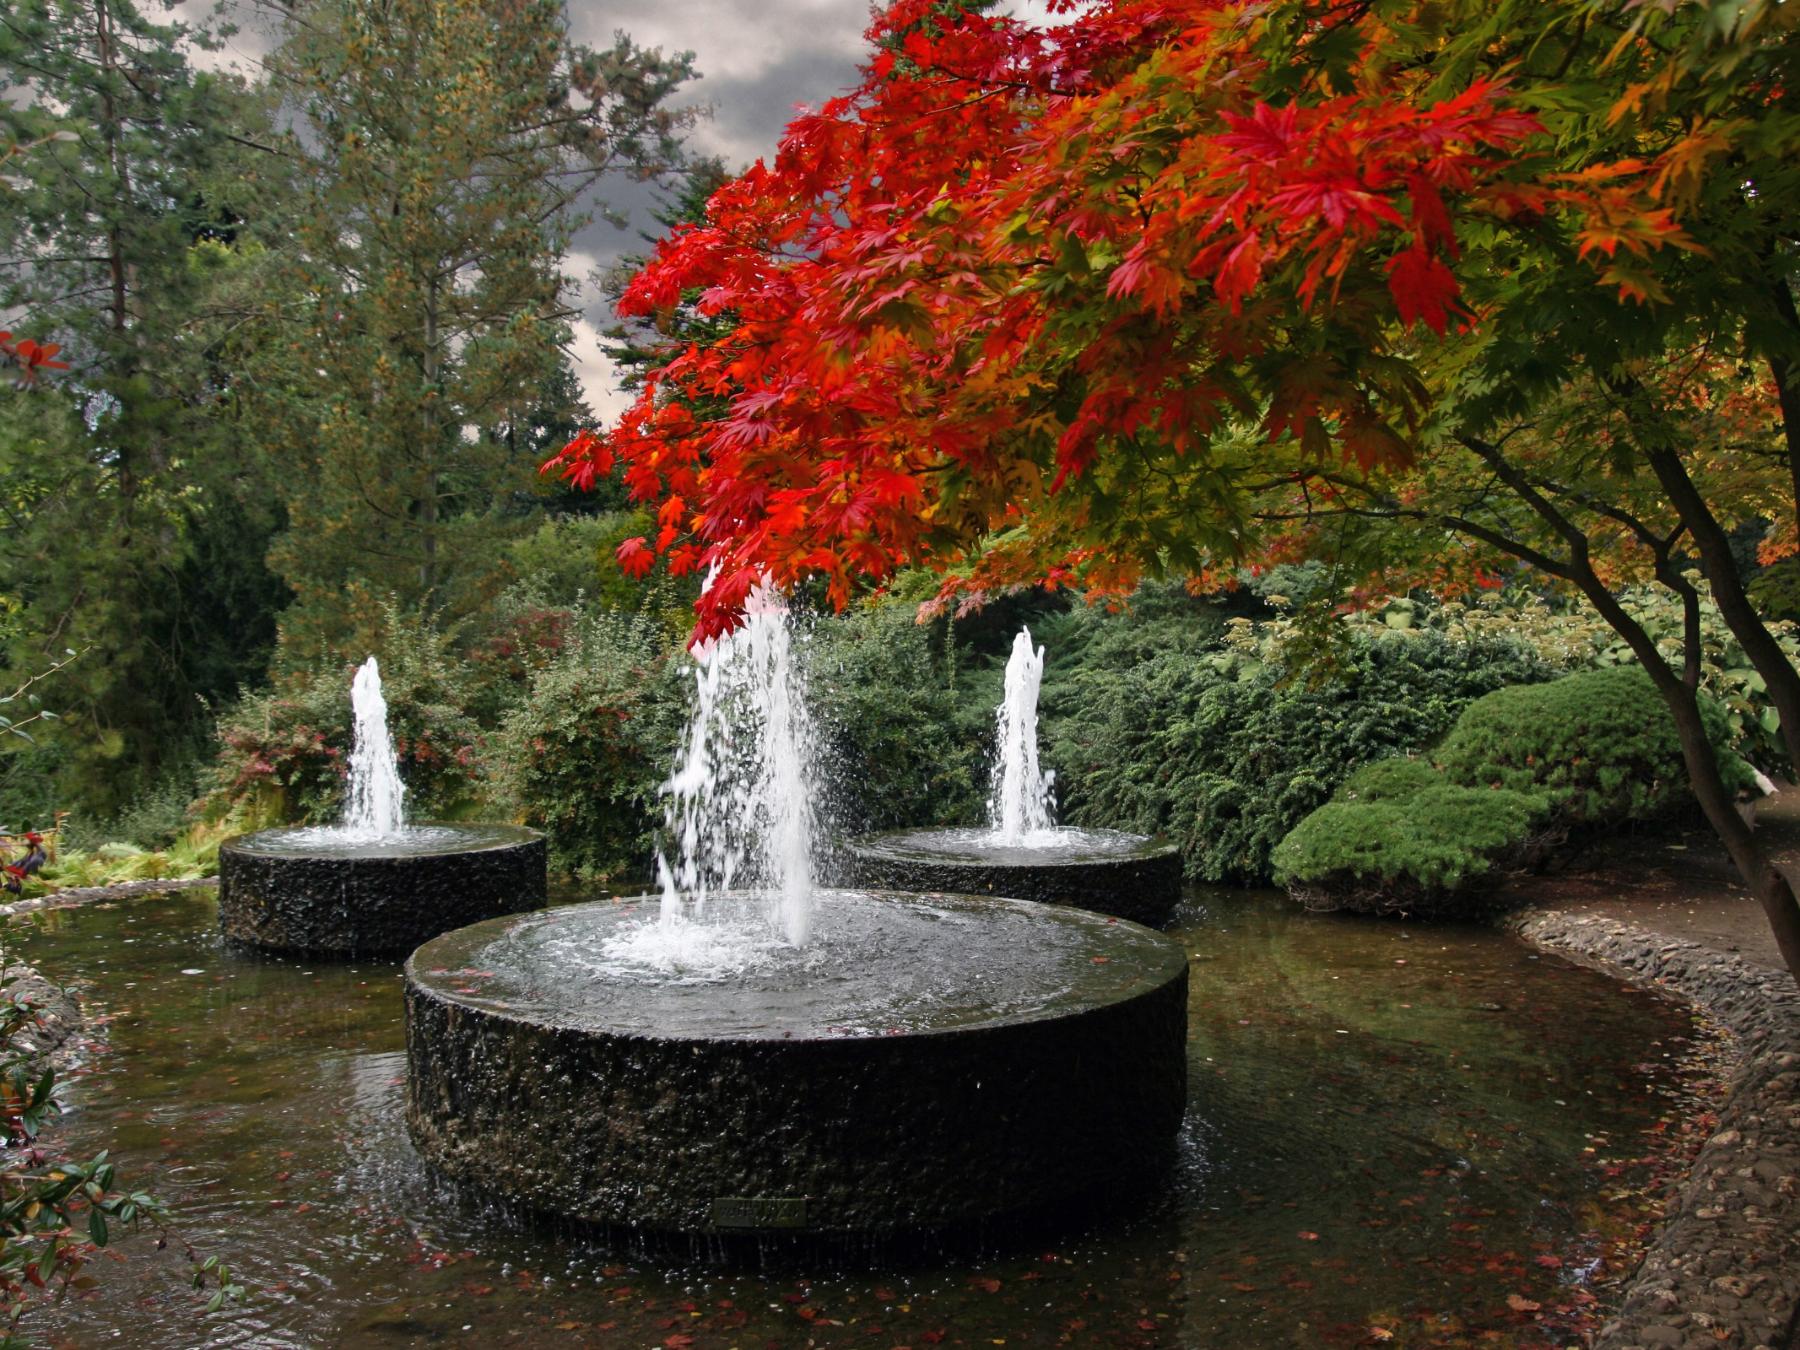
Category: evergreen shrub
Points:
column 1520, row 769
column 1400, row 839
column 1222, row 748
column 1601, row 744
column 584, row 754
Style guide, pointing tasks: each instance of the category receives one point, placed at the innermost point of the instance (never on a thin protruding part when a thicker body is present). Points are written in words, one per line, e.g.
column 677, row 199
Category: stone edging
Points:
column 1725, row 1268
column 58, row 1014
column 77, row 895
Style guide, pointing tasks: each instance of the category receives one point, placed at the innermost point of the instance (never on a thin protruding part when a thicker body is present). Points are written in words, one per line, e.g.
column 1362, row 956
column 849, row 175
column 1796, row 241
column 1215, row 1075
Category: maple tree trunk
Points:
column 1767, row 882
column 1746, row 625
column 1787, row 387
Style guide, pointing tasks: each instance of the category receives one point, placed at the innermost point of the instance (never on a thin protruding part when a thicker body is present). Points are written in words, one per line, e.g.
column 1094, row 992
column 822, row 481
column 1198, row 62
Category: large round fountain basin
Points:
column 302, row 891
column 1131, row 876
column 925, row 1064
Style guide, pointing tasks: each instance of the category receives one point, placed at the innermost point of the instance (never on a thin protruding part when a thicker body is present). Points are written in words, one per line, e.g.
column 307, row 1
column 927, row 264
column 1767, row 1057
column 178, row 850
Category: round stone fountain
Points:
column 926, row 1064
column 374, row 885
column 1022, row 854
column 746, row 1055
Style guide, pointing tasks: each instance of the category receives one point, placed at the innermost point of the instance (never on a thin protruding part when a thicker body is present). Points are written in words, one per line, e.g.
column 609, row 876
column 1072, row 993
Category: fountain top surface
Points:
column 884, row 964
column 413, row 841
column 1056, row 846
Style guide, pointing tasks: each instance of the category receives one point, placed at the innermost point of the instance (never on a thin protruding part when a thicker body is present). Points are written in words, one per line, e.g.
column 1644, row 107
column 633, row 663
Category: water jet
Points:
column 1022, row 853
column 748, row 1056
column 373, row 885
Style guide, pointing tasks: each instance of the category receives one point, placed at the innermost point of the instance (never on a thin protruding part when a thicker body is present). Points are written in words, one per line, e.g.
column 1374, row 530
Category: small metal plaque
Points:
column 733, row 1211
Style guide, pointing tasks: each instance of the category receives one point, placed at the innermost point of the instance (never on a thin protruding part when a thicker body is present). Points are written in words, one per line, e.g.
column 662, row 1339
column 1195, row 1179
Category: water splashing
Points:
column 740, row 805
column 374, row 801
column 1020, row 801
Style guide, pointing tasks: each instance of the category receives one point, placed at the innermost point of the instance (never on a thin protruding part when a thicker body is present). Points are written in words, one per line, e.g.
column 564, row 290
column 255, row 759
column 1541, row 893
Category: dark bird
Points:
column 35, row 857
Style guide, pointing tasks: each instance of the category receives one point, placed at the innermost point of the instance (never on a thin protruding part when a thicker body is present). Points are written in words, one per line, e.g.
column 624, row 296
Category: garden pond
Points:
column 1396, row 1134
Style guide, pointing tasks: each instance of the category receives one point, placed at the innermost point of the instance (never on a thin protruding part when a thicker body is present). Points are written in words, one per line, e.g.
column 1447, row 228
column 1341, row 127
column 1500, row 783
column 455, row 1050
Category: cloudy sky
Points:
column 758, row 60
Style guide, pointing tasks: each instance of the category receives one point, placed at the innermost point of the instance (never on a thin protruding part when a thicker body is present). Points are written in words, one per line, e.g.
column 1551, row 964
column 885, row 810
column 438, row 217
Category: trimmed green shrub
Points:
column 1600, row 744
column 1393, row 779
column 1419, row 851
column 1521, row 767
column 1225, row 751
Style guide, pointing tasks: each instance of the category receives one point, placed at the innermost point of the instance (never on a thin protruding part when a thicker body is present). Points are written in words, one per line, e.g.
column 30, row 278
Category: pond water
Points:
column 1392, row 1129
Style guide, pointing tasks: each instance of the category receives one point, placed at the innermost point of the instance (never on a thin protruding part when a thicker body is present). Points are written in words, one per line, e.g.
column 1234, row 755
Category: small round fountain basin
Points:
column 306, row 892
column 1129, row 875
column 925, row 1064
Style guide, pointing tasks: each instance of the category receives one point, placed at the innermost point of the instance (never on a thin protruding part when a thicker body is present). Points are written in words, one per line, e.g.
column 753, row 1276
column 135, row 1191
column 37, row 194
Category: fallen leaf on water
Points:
column 1519, row 1303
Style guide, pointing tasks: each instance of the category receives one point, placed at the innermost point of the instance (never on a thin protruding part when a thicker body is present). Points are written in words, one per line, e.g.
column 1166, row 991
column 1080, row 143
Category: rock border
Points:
column 1724, row 1270
column 79, row 895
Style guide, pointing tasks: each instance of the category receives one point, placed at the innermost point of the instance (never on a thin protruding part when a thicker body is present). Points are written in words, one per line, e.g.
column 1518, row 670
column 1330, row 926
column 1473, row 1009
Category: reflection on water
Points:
column 1387, row 1129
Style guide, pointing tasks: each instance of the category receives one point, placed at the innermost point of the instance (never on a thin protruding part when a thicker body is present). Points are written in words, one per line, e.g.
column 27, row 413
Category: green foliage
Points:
column 583, row 755
column 408, row 389
column 1600, row 744
column 1390, row 780
column 573, row 558
column 1412, row 851
column 136, row 510
column 1221, row 746
column 284, row 752
column 1577, row 638
column 902, row 747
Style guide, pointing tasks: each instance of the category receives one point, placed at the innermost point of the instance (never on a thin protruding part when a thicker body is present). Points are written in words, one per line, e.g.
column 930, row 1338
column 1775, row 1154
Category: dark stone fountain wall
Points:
column 1143, row 885
column 355, row 904
column 865, row 1135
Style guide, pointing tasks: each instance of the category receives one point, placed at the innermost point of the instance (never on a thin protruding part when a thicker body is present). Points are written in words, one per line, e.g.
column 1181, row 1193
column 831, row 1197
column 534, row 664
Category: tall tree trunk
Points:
column 1771, row 887
column 428, row 509
column 118, row 274
column 1680, row 692
column 1787, row 387
column 1740, row 616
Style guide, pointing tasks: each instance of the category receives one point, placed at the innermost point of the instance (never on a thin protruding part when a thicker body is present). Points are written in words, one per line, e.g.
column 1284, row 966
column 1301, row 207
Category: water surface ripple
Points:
column 1390, row 1126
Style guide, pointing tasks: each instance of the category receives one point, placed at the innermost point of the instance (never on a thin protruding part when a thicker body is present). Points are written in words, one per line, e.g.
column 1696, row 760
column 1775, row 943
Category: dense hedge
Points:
column 1398, row 838
column 1226, row 751
column 1521, row 768
column 584, row 754
column 901, row 744
column 1601, row 744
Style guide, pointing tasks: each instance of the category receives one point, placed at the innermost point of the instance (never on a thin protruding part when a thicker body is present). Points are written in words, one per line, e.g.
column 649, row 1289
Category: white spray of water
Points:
column 740, row 799
column 374, row 803
column 1020, row 800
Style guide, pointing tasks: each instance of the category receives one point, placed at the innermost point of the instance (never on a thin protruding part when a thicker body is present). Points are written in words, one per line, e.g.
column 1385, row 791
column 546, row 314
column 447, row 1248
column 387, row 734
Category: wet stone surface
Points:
column 370, row 901
column 1725, row 1269
column 927, row 1063
column 1108, row 872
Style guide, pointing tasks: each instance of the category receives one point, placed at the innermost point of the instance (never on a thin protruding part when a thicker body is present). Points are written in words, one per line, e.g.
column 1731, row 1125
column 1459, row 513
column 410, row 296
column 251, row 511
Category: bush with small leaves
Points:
column 1600, row 744
column 583, row 756
column 1392, row 779
column 1425, row 850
